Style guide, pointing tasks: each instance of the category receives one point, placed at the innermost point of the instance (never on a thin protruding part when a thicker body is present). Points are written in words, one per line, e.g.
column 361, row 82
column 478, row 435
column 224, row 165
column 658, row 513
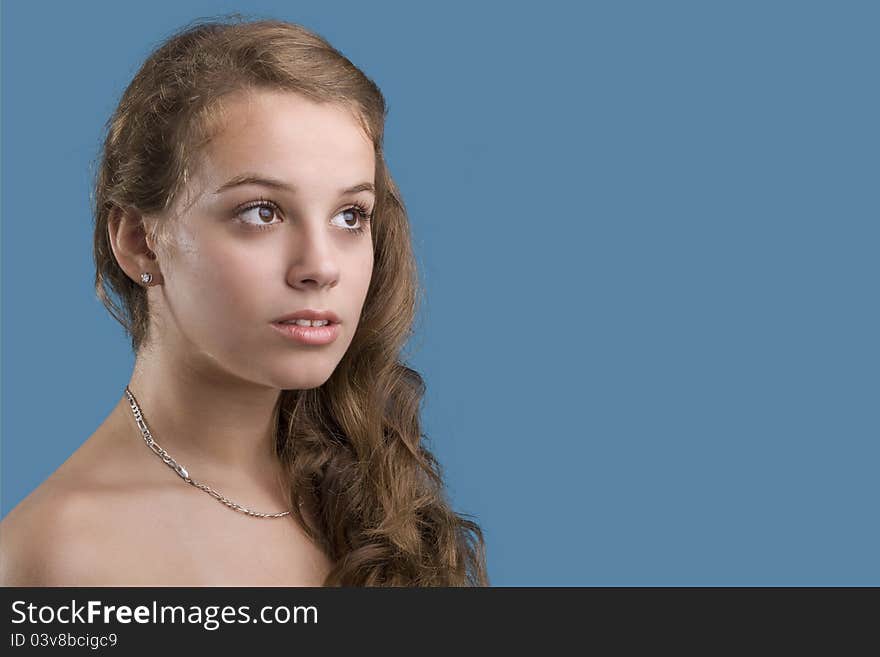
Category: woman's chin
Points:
column 302, row 381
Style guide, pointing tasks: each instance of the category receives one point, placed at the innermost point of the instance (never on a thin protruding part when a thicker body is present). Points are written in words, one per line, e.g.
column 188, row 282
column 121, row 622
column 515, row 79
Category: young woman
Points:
column 259, row 252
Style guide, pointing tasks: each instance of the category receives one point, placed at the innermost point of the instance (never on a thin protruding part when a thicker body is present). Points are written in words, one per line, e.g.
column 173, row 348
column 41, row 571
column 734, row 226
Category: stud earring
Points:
column 146, row 278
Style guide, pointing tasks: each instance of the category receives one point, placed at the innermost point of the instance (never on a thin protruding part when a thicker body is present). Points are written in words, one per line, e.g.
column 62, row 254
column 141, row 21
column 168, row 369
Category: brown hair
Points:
column 353, row 447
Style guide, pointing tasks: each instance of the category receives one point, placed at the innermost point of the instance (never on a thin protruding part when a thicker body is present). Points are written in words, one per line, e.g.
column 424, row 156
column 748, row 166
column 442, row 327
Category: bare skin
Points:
column 210, row 375
column 114, row 515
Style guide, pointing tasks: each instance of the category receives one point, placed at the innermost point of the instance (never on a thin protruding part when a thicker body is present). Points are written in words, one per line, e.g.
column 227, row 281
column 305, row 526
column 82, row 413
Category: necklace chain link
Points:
column 159, row 451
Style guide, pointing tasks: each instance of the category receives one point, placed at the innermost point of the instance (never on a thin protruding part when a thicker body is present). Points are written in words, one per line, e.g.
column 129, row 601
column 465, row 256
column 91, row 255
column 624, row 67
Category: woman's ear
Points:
column 132, row 245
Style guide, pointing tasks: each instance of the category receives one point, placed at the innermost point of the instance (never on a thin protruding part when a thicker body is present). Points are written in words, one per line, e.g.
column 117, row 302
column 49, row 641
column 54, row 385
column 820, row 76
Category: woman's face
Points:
column 244, row 253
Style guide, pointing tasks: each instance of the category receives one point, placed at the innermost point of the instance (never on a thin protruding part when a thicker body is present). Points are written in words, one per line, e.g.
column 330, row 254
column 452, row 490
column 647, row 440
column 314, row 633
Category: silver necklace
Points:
column 180, row 470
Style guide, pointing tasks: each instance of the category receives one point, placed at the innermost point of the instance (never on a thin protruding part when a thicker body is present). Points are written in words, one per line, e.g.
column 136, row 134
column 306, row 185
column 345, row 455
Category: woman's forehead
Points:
column 285, row 136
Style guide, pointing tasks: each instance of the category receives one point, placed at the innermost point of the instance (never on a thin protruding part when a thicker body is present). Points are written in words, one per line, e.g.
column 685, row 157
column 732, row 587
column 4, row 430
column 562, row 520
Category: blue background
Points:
column 649, row 238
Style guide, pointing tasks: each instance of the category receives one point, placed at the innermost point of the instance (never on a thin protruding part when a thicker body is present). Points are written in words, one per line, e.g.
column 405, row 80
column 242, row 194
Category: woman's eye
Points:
column 355, row 215
column 354, row 218
column 262, row 214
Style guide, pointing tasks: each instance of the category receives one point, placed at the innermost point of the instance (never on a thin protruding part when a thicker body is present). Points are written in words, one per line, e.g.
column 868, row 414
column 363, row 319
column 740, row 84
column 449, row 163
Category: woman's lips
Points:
column 314, row 335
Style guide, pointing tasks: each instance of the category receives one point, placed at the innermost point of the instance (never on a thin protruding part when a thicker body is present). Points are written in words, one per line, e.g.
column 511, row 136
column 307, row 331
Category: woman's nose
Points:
column 313, row 257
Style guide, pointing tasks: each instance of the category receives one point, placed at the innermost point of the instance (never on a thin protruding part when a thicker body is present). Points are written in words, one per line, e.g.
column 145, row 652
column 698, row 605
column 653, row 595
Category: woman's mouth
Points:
column 308, row 332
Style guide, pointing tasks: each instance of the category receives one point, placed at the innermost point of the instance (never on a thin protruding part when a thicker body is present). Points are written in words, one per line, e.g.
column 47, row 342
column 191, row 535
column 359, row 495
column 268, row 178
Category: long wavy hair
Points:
column 352, row 448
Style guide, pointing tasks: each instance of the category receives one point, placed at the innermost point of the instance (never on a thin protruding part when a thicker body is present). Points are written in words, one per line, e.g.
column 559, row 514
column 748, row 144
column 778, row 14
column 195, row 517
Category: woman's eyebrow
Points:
column 254, row 179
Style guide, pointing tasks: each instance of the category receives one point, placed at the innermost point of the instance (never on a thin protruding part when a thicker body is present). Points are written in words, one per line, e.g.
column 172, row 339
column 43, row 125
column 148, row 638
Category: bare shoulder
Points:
column 44, row 539
column 112, row 516
column 60, row 534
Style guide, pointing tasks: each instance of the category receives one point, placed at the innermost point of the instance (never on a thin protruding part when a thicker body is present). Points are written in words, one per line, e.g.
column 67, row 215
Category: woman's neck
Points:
column 201, row 416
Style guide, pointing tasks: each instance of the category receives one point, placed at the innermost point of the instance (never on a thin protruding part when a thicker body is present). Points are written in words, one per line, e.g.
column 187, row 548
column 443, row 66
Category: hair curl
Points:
column 352, row 448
